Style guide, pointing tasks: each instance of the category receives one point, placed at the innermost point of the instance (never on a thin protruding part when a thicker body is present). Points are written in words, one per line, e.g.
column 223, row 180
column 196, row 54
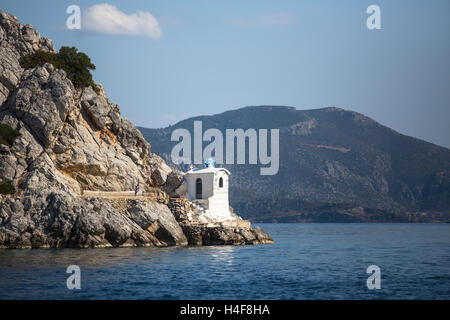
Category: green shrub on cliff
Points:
column 7, row 134
column 77, row 65
column 6, row 187
column 39, row 58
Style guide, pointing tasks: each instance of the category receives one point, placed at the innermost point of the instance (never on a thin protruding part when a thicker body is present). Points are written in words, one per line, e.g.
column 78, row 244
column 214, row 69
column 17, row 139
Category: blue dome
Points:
column 210, row 163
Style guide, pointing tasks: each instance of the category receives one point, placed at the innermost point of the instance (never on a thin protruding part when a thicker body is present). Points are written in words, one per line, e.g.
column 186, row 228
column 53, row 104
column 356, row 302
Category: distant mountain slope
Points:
column 335, row 165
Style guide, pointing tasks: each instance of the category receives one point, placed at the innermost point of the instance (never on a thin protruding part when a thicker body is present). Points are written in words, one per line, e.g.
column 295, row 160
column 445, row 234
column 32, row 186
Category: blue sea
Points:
column 307, row 261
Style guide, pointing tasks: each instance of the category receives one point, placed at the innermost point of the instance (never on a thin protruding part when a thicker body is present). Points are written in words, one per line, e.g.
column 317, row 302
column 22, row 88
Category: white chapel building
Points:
column 208, row 188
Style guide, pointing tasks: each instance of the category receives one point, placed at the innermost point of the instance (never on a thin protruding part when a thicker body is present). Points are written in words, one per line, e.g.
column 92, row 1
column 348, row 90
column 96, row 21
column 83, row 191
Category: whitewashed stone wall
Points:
column 217, row 198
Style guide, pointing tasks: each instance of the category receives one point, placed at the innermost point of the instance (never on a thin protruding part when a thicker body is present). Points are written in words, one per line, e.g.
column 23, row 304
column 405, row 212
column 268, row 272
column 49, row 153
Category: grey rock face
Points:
column 173, row 182
column 23, row 38
column 72, row 140
column 231, row 232
column 221, row 235
column 159, row 220
column 42, row 102
column 16, row 40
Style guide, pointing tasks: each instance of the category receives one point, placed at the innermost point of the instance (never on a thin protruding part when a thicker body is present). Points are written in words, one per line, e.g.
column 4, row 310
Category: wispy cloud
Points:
column 106, row 18
column 267, row 19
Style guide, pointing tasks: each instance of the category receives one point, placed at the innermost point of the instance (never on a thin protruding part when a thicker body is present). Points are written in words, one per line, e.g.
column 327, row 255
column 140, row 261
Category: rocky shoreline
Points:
column 74, row 140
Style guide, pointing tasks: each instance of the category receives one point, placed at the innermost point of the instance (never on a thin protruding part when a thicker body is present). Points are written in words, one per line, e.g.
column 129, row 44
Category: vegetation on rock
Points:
column 77, row 65
column 7, row 134
column 6, row 187
column 39, row 58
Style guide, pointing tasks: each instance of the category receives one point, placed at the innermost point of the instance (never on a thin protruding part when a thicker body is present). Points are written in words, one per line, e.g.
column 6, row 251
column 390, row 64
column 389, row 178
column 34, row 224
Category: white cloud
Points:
column 105, row 18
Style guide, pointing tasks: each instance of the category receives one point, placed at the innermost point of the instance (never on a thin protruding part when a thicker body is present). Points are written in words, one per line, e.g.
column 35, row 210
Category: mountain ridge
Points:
column 332, row 155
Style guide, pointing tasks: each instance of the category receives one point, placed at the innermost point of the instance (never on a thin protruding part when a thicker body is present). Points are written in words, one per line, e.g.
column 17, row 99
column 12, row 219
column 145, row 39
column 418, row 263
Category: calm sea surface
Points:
column 308, row 261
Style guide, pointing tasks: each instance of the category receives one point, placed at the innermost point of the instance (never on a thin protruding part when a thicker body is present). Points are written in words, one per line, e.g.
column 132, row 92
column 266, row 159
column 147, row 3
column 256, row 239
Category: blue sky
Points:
column 216, row 55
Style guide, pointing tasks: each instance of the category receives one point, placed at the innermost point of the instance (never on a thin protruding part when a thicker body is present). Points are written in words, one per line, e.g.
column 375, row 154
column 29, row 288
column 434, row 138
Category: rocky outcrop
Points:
column 200, row 232
column 221, row 235
column 16, row 40
column 75, row 140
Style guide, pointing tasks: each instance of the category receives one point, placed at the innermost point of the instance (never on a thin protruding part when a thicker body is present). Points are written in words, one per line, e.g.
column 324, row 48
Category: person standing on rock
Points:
column 136, row 191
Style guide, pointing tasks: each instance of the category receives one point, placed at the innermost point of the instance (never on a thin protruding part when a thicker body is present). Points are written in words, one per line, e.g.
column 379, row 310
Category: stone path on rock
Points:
column 121, row 194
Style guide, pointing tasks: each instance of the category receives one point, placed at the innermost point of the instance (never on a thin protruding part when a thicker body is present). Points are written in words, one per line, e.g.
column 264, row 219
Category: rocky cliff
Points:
column 73, row 140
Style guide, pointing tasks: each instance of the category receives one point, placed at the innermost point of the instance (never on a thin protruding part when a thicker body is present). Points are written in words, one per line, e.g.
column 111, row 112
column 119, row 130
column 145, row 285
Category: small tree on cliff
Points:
column 7, row 134
column 77, row 65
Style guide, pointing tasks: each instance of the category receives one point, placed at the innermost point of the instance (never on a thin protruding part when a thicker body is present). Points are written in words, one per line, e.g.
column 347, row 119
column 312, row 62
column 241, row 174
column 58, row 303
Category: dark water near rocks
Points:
column 308, row 261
